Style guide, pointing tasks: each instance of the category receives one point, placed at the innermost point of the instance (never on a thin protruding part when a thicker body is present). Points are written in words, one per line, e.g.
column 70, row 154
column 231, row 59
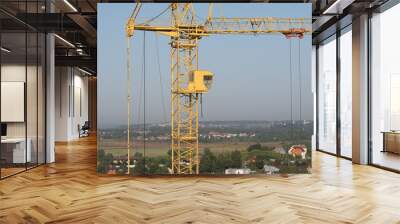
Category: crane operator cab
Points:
column 200, row 81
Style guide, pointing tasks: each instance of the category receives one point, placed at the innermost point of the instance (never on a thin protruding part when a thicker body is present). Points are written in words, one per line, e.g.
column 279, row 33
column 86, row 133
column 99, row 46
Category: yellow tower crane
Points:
column 187, row 81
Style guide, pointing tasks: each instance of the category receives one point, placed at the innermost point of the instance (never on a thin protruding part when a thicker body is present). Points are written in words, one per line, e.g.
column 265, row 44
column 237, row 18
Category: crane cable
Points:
column 201, row 107
column 160, row 79
column 155, row 17
column 144, row 101
column 291, row 89
column 140, row 98
column 300, row 81
column 135, row 11
column 161, row 83
column 142, row 91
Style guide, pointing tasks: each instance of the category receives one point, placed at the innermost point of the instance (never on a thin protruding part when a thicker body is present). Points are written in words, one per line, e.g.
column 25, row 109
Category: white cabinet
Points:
column 19, row 154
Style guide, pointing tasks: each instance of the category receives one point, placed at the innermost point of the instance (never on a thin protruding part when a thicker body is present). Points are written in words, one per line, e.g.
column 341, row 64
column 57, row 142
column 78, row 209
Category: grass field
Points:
column 161, row 148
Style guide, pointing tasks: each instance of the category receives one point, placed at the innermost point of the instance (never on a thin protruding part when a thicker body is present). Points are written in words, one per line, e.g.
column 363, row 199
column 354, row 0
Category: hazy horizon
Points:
column 203, row 121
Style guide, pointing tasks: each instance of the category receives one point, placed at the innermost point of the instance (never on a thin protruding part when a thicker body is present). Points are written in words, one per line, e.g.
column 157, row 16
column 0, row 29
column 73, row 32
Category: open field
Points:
column 161, row 148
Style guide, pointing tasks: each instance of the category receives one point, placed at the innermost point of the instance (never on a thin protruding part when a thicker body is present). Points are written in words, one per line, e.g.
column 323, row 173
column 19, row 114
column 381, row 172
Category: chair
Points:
column 84, row 130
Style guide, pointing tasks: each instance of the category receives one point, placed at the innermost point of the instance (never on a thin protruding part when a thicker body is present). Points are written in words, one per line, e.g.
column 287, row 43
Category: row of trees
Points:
column 254, row 158
column 211, row 163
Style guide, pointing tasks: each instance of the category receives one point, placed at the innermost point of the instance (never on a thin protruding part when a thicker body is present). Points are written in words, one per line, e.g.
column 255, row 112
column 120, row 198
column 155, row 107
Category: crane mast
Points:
column 184, row 104
column 187, row 81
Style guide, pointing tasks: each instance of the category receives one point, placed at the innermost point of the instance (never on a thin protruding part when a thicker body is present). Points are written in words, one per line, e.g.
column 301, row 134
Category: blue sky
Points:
column 252, row 73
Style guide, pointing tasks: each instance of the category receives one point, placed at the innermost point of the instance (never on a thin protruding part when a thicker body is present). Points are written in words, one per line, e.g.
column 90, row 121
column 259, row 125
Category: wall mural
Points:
column 214, row 89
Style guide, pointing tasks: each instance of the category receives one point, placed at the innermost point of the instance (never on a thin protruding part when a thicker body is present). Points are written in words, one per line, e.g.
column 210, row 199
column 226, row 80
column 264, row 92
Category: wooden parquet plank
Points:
column 70, row 191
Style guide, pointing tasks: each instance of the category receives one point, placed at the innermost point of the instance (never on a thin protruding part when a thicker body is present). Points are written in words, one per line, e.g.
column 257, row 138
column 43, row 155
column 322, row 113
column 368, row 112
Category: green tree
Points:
column 236, row 159
column 259, row 162
column 104, row 160
column 123, row 168
column 152, row 165
column 254, row 147
column 139, row 164
column 208, row 162
column 101, row 163
column 251, row 165
column 223, row 162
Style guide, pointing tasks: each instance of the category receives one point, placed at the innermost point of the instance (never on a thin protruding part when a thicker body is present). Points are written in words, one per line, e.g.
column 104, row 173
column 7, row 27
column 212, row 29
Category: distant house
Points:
column 111, row 169
column 251, row 159
column 237, row 171
column 113, row 172
column 280, row 150
column 298, row 150
column 270, row 169
column 162, row 138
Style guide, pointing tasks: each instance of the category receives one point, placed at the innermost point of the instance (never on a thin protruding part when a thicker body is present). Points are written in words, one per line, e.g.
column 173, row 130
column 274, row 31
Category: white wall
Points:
column 62, row 82
column 81, row 82
column 16, row 73
column 33, row 126
column 12, row 73
column 71, row 102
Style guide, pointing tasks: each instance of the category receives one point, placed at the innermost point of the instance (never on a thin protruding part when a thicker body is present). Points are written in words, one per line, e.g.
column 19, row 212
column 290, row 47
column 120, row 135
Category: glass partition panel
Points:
column 385, row 90
column 346, row 93
column 327, row 95
column 41, row 79
column 31, row 98
column 22, row 89
column 14, row 153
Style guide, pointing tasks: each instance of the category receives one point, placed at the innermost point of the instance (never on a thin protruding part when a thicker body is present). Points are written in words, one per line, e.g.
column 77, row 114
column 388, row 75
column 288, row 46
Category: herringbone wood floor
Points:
column 70, row 191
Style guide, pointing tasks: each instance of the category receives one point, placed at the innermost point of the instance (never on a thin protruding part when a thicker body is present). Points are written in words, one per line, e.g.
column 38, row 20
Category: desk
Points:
column 15, row 148
column 391, row 141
